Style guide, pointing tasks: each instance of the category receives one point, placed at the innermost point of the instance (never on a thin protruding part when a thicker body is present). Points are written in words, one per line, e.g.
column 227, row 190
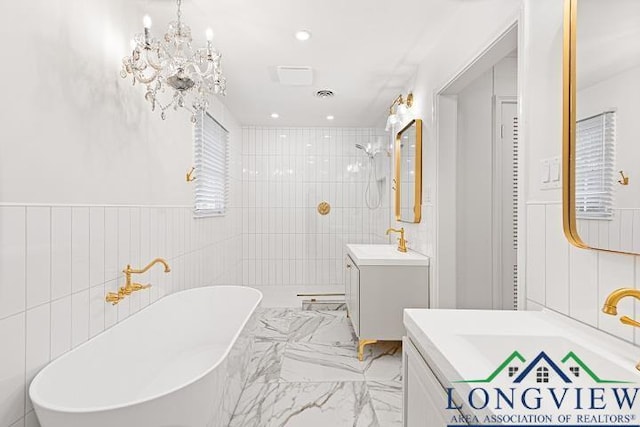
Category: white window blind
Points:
column 595, row 162
column 211, row 166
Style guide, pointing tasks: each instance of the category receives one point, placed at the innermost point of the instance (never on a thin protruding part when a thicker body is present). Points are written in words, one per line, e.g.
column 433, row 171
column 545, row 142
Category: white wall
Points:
column 90, row 181
column 483, row 22
column 474, row 210
column 287, row 172
column 565, row 279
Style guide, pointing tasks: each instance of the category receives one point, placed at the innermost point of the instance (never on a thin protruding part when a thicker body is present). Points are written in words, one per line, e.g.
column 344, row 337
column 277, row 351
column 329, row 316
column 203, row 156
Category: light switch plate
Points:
column 544, row 172
column 550, row 173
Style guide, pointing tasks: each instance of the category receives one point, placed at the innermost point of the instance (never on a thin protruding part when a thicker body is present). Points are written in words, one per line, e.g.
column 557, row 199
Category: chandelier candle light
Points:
column 172, row 70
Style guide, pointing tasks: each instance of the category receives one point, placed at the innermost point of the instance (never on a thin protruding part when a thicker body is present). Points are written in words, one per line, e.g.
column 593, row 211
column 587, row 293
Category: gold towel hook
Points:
column 624, row 180
column 190, row 175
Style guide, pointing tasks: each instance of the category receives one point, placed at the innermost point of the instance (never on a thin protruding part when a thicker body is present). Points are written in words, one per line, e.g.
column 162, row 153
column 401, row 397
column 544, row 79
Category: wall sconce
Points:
column 401, row 109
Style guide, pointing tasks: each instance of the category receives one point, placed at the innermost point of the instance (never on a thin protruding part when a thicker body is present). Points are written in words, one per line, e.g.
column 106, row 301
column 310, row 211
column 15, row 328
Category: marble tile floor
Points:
column 304, row 371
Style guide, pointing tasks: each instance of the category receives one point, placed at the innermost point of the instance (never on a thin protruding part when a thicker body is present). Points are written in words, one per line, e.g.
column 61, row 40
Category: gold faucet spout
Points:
column 402, row 243
column 611, row 307
column 611, row 303
column 167, row 269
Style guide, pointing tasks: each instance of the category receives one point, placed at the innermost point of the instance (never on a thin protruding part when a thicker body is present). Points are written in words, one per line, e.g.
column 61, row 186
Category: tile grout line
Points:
column 26, row 306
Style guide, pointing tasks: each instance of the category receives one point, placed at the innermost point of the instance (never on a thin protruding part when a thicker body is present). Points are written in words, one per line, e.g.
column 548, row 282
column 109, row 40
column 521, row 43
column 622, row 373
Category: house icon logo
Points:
column 544, row 390
column 542, row 369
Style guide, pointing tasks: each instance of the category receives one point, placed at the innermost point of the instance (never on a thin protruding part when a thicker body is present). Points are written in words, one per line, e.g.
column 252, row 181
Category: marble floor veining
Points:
column 304, row 371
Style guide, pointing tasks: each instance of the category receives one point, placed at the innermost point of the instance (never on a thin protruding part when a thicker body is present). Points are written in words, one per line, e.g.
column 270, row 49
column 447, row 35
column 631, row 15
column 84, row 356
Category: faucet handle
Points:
column 113, row 298
column 629, row 321
column 135, row 287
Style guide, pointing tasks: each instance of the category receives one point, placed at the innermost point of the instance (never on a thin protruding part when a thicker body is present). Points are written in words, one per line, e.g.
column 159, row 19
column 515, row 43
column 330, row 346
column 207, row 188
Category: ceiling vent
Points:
column 325, row 93
column 295, row 76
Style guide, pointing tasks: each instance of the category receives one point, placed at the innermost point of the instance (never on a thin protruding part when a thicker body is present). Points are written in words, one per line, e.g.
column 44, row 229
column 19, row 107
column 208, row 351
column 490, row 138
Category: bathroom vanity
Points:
column 450, row 356
column 380, row 282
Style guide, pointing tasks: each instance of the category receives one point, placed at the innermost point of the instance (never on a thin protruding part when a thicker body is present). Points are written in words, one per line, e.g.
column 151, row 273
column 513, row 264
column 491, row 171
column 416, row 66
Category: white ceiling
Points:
column 608, row 39
column 363, row 50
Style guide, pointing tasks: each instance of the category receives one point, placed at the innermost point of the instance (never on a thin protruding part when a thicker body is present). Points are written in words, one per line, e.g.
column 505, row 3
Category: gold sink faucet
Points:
column 402, row 243
column 610, row 307
column 130, row 287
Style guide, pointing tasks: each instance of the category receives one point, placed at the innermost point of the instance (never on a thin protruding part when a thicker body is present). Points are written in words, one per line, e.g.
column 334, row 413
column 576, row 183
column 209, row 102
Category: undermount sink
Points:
column 385, row 255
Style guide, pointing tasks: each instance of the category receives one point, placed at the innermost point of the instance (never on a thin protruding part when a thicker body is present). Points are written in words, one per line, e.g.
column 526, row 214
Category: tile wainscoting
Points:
column 58, row 262
column 573, row 281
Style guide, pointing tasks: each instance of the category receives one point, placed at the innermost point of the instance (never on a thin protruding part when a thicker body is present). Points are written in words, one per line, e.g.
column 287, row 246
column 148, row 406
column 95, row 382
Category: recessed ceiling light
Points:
column 303, row 35
column 330, row 117
column 275, row 115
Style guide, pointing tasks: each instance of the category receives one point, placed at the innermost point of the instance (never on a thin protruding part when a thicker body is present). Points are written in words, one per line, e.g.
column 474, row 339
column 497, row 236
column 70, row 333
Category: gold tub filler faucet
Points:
column 130, row 287
column 610, row 307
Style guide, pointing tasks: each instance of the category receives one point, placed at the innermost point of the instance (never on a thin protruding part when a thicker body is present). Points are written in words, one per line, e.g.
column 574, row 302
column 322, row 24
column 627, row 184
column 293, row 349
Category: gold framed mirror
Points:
column 601, row 102
column 408, row 173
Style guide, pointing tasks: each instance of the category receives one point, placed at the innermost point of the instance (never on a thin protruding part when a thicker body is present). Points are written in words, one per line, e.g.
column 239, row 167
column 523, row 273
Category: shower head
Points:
column 369, row 150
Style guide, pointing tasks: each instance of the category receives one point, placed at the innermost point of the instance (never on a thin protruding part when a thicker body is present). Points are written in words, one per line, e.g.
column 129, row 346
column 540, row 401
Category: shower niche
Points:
column 407, row 183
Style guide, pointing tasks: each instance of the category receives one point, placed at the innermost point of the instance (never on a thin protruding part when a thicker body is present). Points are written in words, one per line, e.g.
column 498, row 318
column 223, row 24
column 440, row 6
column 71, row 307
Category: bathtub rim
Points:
column 56, row 408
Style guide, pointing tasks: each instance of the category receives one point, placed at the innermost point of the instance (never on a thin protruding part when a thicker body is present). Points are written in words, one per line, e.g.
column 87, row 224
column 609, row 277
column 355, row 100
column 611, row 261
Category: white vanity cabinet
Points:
column 424, row 398
column 380, row 283
column 352, row 291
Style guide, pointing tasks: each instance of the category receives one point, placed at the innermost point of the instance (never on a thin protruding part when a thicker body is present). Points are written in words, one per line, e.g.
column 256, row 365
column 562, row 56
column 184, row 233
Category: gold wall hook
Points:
column 624, row 180
column 190, row 175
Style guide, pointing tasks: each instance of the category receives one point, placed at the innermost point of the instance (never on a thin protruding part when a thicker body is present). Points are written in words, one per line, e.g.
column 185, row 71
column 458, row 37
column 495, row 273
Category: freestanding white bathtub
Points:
column 181, row 362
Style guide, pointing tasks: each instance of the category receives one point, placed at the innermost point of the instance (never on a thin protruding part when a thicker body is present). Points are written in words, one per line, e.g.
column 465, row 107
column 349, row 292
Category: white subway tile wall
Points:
column 286, row 173
column 575, row 282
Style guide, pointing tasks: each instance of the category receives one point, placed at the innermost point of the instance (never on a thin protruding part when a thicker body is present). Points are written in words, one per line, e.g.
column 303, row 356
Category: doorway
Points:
column 477, row 182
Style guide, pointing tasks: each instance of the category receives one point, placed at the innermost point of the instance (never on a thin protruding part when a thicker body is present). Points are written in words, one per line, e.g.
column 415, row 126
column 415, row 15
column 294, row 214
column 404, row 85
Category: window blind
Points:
column 211, row 166
column 595, row 161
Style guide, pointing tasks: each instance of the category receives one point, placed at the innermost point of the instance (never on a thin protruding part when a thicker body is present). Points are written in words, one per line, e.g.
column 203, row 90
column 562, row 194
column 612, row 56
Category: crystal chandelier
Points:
column 172, row 70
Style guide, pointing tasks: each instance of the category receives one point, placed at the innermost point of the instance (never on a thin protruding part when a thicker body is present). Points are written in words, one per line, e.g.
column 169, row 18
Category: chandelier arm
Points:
column 156, row 65
column 146, row 80
column 197, row 70
column 158, row 51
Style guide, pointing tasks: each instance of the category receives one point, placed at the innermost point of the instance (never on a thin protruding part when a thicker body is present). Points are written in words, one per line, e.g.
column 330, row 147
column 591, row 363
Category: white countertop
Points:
column 385, row 255
column 470, row 344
